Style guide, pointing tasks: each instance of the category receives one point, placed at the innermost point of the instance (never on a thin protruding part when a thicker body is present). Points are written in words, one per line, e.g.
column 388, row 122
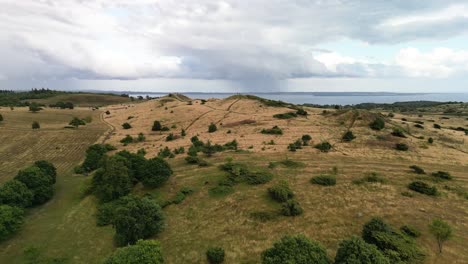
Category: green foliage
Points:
column 288, row 163
column 212, row 128
column 285, row 115
column 14, row 98
column 442, row 175
column 164, row 153
column 141, row 137
column 33, row 255
column 305, row 139
column 264, row 216
column 295, row 249
column 348, row 136
column 397, row 247
column 281, row 192
column 372, row 177
column 170, row 137
column 441, row 230
column 324, row 146
column 417, row 169
column 192, row 159
column 48, row 168
column 135, row 164
column 112, row 181
column 143, row 252
column 220, row 190
column 76, row 122
column 155, row 173
column 11, row 220
column 126, row 125
column 258, row 177
column 183, row 133
column 156, row 126
column 127, row 140
column 215, row 255
column 1, row 117
column 165, row 128
column 410, row 231
column 356, row 251
column 180, row 196
column 324, row 179
column 291, row 208
column 232, row 145
column 301, row 111
column 430, row 140
column 397, row 132
column 401, row 147
column 35, row 125
column 62, row 105
column 94, row 155
column 34, row 107
column 272, row 131
column 377, row 124
column 437, row 126
column 137, row 218
column 39, row 182
column 16, row 193
column 424, row 188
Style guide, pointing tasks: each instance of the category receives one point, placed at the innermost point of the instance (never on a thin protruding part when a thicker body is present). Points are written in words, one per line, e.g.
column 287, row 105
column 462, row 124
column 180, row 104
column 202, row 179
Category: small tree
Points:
column 441, row 230
column 35, row 125
column 430, row 140
column 76, row 122
column 348, row 136
column 16, row 193
column 356, row 250
column 156, row 172
column 126, row 125
column 143, row 252
column 295, row 249
column 306, row 139
column 377, row 124
column 34, row 107
column 38, row 182
column 212, row 128
column 112, row 181
column 215, row 255
column 156, row 126
column 11, row 220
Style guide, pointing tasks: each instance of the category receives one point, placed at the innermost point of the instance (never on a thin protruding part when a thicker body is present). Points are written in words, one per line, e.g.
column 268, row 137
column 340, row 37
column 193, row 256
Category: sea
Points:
column 332, row 98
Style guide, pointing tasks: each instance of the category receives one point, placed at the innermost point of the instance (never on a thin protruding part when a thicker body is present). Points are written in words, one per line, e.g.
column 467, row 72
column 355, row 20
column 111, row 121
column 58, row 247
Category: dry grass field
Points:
column 84, row 99
column 65, row 227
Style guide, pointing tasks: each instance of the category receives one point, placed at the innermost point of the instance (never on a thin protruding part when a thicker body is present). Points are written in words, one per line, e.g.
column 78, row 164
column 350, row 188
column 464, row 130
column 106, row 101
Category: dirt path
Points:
column 109, row 132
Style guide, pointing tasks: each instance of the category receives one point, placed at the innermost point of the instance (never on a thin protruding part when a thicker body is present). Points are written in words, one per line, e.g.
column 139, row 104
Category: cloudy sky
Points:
column 235, row 45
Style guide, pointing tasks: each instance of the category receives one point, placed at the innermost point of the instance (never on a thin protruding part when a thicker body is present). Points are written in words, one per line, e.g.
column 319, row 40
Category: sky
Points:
column 235, row 45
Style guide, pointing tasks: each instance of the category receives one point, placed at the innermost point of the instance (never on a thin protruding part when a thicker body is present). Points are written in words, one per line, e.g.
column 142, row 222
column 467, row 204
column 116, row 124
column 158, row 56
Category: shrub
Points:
column 272, row 131
column 94, row 155
column 422, row 187
column 170, row 137
column 401, row 147
column 264, row 216
column 1, row 118
column 212, row 128
column 127, row 140
column 192, row 159
column 107, row 112
column 38, row 182
column 430, row 140
column 417, row 169
column 112, row 181
column 231, row 145
column 165, row 128
column 281, row 192
column 126, row 125
column 156, row 172
column 258, row 177
column 410, row 231
column 397, row 132
column 437, row 126
column 442, row 175
column 324, row 146
column 306, row 139
column 301, row 111
column 141, row 137
column 137, row 218
column 34, row 107
column 76, row 122
column 156, row 126
column 291, row 208
column 372, row 177
column 215, row 255
column 35, row 125
column 441, row 230
column 377, row 124
column 325, row 180
column 285, row 115
column 419, row 126
column 143, row 252
column 394, row 245
column 48, row 168
column 11, row 220
column 348, row 136
column 16, row 193
column 356, row 250
column 295, row 249
column 220, row 190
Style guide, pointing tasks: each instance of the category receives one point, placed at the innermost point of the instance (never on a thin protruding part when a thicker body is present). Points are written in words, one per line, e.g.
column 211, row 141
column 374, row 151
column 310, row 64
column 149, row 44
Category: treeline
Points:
column 31, row 187
column 14, row 98
column 397, row 106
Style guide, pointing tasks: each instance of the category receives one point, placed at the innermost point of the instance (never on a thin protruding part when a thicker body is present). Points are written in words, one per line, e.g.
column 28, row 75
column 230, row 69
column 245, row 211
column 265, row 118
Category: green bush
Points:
column 285, row 115
column 141, row 137
column 272, row 131
column 156, row 126
column 301, row 111
column 377, row 124
column 442, row 175
column 232, row 145
column 401, row 146
column 437, row 126
column 127, row 140
column 417, row 169
column 212, row 128
column 258, row 177
column 170, row 137
column 291, row 208
column 324, row 146
column 76, row 122
column 11, row 220
column 264, row 216
column 126, row 125
column 48, row 168
column 16, row 193
column 325, row 180
column 397, row 132
column 430, row 140
column 143, row 252
column 295, row 249
column 38, row 182
column 215, row 255
column 348, row 136
column 281, row 192
column 112, row 181
column 305, row 139
column 372, row 177
column 35, row 125
column 155, row 173
column 356, row 251
column 192, row 159
column 94, row 156
column 410, row 231
column 220, row 190
column 422, row 187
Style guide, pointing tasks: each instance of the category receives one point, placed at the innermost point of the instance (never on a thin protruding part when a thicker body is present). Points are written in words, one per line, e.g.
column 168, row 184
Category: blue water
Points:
column 335, row 98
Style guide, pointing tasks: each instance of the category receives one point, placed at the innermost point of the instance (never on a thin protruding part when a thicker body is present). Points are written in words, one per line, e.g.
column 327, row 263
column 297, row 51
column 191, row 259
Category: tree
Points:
column 209, row 149
column 356, row 251
column 38, row 182
column 212, row 128
column 76, row 122
column 16, row 193
column 143, row 252
column 126, row 125
column 215, row 255
column 11, row 220
column 138, row 218
column 295, row 249
column 306, row 139
column 377, row 124
column 156, row 126
column 34, row 107
column 94, row 155
column 135, row 164
column 112, row 181
column 155, row 173
column 48, row 168
column 35, row 125
column 441, row 230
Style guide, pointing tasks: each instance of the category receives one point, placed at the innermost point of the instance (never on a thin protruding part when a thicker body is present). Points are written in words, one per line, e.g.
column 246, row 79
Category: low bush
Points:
column 258, row 177
column 372, row 177
column 410, row 231
column 285, row 115
column 220, row 190
column 291, row 208
column 417, row 169
column 35, row 125
column 302, row 112
column 437, row 126
column 143, row 252
column 215, row 255
column 424, row 188
column 430, row 140
column 377, row 124
column 264, row 216
column 295, row 249
column 192, row 159
column 11, row 220
column 397, row 132
column 325, row 180
column 170, row 137
column 272, row 131
column 305, row 139
column 419, row 126
column 127, row 140
column 324, row 146
column 442, row 175
column 348, row 136
column 212, row 128
column 281, row 192
column 126, row 125
column 401, row 147
column 356, row 251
